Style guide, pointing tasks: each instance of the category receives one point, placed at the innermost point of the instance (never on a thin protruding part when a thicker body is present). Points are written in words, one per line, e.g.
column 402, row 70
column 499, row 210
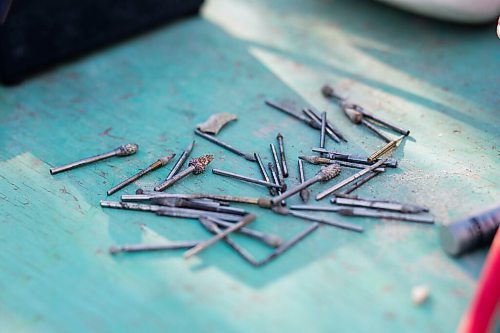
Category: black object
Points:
column 470, row 233
column 37, row 34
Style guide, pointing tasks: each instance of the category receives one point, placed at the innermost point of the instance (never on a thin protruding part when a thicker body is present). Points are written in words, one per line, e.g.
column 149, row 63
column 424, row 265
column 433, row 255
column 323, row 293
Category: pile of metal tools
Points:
column 216, row 212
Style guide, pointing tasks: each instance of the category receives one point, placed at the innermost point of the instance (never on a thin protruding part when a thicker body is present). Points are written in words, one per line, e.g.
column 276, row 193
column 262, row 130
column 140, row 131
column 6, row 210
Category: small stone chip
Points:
column 215, row 123
column 420, row 294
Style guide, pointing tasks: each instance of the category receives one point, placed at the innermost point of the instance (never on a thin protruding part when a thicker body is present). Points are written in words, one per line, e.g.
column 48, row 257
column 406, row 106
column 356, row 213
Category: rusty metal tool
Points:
column 180, row 162
column 281, row 147
column 244, row 178
column 249, row 157
column 304, row 193
column 153, row 247
column 196, row 166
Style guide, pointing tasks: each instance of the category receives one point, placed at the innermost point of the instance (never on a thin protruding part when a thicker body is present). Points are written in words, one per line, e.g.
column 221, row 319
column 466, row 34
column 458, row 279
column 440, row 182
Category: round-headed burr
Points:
column 200, row 163
column 196, row 165
column 127, row 149
column 325, row 174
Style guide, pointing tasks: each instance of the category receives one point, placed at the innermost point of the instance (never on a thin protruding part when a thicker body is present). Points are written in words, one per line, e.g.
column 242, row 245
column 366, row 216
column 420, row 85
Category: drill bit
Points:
column 304, row 193
column 180, row 162
column 261, row 202
column 317, row 121
column 357, row 118
column 186, row 203
column 325, row 174
column 125, row 150
column 202, row 246
column 385, row 149
column 323, row 160
column 323, row 129
column 330, row 93
column 329, row 126
column 130, row 206
column 153, row 247
column 196, row 166
column 289, row 244
column 346, row 226
column 380, row 204
column 244, row 178
column 275, row 180
column 277, row 165
column 214, row 229
column 348, row 180
column 272, row 190
column 395, row 128
column 249, row 157
column 156, row 165
column 361, row 182
column 270, row 240
column 306, row 120
column 390, row 163
column 281, row 146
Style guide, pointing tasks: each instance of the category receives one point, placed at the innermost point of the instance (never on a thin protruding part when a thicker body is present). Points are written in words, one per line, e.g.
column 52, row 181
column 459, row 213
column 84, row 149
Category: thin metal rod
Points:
column 249, row 157
column 130, row 206
column 272, row 190
column 194, row 213
column 390, row 162
column 309, row 113
column 375, row 130
column 323, row 129
column 346, row 226
column 295, row 189
column 214, row 229
column 202, row 246
column 281, row 146
column 244, row 178
column 385, row 149
column 275, row 180
column 153, row 247
column 125, row 150
column 361, row 182
column 182, row 159
column 329, row 126
column 304, row 193
column 386, row 123
column 167, row 183
column 277, row 164
column 349, row 180
column 323, row 160
column 186, row 203
column 156, row 165
column 290, row 113
column 270, row 240
column 364, row 212
column 283, row 248
column 380, row 204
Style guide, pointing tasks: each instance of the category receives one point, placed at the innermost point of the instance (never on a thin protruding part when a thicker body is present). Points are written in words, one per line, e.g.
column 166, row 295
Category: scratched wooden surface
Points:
column 440, row 80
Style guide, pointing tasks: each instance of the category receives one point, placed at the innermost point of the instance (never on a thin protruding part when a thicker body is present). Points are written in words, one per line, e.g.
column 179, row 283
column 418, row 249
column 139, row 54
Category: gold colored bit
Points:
column 385, row 149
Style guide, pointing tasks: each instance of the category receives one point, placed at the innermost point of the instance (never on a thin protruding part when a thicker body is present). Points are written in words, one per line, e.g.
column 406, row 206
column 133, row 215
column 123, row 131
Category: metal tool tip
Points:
column 114, row 250
column 139, row 191
column 200, row 163
column 273, row 241
column 327, row 91
column 352, row 114
column 250, row 157
column 329, row 172
column 279, row 135
column 165, row 159
column 128, row 149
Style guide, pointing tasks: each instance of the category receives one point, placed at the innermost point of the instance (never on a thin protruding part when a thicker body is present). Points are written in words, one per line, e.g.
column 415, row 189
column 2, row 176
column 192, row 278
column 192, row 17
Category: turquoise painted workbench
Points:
column 438, row 79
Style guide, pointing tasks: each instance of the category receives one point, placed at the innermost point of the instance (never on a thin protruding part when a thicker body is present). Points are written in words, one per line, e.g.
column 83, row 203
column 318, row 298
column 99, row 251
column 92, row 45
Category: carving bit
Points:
column 346, row 226
column 325, row 174
column 390, row 162
column 357, row 118
column 277, row 165
column 281, row 146
column 323, row 160
column 261, row 202
column 185, row 203
column 214, row 229
column 153, row 247
column 244, row 178
column 289, row 244
column 249, row 157
column 365, row 212
column 306, row 120
column 312, row 116
column 380, row 204
column 362, row 181
column 272, row 190
column 196, row 166
column 385, row 149
column 329, row 126
column 328, row 92
column 304, row 193
column 156, row 165
column 369, row 115
column 202, row 246
column 270, row 240
column 125, row 150
column 180, row 162
column 322, row 131
column 169, row 211
column 275, row 180
column 348, row 180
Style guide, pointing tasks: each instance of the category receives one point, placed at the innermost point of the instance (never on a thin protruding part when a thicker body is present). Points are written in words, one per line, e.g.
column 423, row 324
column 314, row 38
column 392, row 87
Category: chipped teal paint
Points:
column 439, row 80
